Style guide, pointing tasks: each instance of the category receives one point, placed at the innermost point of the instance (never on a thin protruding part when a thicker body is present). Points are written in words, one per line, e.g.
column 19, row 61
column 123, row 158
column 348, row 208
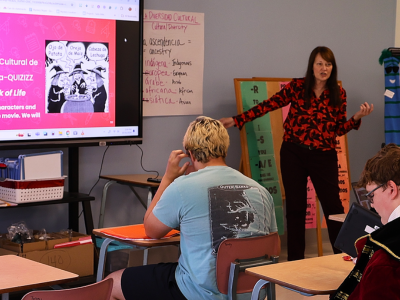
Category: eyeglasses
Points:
column 370, row 195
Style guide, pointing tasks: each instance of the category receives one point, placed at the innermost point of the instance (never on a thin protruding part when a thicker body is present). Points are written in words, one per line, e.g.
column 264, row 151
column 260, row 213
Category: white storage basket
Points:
column 25, row 191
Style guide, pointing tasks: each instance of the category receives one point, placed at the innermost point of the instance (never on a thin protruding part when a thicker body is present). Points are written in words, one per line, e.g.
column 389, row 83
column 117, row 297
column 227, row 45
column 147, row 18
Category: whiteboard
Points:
column 173, row 63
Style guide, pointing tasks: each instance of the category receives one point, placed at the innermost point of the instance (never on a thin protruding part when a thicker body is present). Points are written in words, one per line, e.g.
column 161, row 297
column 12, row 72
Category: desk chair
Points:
column 97, row 291
column 235, row 255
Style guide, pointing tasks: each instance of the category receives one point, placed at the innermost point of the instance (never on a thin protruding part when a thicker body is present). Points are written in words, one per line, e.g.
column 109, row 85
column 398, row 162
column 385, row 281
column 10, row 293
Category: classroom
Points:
column 243, row 39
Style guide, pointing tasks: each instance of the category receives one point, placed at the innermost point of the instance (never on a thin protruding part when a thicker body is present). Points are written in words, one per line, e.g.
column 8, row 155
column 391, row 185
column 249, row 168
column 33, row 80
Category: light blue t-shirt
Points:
column 209, row 206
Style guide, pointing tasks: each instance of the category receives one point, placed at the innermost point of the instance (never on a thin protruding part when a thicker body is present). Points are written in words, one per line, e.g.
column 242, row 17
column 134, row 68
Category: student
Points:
column 317, row 115
column 376, row 274
column 212, row 203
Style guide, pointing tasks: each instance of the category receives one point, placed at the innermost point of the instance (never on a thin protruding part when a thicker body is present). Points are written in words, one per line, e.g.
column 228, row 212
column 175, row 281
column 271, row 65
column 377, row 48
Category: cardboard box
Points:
column 7, row 252
column 77, row 259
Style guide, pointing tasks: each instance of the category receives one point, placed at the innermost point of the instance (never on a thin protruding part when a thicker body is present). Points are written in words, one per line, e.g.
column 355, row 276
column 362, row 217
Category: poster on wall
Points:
column 311, row 213
column 173, row 63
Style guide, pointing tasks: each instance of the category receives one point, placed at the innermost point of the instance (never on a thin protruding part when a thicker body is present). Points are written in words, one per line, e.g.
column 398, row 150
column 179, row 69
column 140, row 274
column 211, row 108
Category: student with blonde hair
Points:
column 211, row 203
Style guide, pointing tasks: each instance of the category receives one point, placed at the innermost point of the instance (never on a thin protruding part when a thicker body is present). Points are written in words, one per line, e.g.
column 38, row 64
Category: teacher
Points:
column 316, row 116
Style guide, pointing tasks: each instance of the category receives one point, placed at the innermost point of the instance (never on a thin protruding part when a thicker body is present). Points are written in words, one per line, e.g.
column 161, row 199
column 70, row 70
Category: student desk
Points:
column 18, row 274
column 313, row 276
column 139, row 244
column 132, row 180
column 339, row 217
column 73, row 200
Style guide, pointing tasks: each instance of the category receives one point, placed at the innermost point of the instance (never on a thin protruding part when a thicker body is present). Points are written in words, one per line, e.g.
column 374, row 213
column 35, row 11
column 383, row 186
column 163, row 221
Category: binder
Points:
column 40, row 165
column 134, row 232
column 13, row 169
column 359, row 222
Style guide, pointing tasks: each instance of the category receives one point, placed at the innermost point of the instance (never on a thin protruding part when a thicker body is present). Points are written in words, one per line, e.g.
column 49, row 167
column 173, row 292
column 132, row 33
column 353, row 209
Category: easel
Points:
column 276, row 123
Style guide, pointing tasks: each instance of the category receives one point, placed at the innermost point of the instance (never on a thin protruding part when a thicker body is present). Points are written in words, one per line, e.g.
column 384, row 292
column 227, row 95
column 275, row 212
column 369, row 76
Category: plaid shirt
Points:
column 316, row 126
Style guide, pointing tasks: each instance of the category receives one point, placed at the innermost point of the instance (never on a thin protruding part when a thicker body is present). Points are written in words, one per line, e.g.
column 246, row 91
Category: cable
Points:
column 141, row 162
column 101, row 167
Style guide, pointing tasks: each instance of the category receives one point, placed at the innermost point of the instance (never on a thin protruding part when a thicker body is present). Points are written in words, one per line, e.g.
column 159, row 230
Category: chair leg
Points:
column 5, row 296
column 232, row 281
column 258, row 286
column 102, row 259
column 271, row 292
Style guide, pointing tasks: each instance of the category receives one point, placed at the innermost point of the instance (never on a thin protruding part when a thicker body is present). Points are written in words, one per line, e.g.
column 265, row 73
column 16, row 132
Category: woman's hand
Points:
column 365, row 110
column 227, row 122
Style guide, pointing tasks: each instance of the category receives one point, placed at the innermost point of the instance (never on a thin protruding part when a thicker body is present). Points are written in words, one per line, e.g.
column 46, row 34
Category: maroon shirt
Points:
column 317, row 126
column 381, row 277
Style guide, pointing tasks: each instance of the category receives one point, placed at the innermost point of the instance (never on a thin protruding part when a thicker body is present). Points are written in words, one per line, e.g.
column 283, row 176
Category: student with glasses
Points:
column 370, row 195
column 376, row 274
column 316, row 116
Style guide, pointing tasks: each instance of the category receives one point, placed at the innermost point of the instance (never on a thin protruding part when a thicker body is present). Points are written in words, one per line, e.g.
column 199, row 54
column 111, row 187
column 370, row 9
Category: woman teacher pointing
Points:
column 316, row 116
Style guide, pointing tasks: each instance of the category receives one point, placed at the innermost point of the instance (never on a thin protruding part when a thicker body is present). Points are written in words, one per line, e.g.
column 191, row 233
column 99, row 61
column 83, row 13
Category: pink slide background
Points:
column 22, row 37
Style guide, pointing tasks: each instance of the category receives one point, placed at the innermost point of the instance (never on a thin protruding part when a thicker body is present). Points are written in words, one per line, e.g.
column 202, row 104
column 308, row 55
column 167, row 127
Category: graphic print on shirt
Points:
column 233, row 213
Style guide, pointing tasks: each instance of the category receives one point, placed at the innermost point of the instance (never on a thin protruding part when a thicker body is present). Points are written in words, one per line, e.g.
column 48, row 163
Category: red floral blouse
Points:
column 317, row 126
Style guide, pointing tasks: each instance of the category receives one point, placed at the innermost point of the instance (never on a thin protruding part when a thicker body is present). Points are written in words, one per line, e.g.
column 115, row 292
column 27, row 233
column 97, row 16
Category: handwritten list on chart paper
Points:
column 173, row 63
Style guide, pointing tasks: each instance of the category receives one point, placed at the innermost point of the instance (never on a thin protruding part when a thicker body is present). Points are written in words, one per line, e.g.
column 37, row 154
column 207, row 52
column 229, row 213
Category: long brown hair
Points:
column 332, row 84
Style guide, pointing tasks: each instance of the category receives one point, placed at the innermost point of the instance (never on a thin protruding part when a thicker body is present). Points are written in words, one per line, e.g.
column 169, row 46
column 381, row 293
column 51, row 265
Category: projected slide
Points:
column 58, row 72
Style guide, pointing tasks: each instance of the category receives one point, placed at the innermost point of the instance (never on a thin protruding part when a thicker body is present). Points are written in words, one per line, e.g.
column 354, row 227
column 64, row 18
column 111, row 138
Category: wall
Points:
column 244, row 39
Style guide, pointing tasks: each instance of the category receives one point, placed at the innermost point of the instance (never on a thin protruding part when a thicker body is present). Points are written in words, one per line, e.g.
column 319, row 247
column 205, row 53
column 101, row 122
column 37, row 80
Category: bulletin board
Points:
column 261, row 141
column 173, row 63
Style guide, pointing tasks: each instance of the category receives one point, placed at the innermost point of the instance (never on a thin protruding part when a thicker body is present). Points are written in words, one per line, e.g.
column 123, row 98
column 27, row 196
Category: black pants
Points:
column 151, row 282
column 297, row 163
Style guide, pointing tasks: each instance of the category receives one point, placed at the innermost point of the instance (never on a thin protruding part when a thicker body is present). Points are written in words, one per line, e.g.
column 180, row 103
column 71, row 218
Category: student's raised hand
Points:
column 227, row 122
column 173, row 170
column 365, row 110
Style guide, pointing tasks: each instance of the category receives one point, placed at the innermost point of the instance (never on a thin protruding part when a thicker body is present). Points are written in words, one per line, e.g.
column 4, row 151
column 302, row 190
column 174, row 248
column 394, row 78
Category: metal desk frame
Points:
column 139, row 244
column 132, row 180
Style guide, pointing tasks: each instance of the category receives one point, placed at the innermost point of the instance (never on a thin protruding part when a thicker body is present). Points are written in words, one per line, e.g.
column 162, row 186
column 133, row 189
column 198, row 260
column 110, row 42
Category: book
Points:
column 32, row 165
column 134, row 232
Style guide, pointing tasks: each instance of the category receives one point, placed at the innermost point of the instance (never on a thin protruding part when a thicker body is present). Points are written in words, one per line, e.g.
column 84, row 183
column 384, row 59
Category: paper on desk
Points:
column 5, row 203
column 134, row 232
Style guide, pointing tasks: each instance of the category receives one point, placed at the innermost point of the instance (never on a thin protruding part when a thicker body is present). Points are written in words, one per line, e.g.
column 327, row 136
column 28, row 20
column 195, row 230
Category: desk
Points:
column 314, row 276
column 339, row 217
column 18, row 274
column 132, row 180
column 73, row 200
column 140, row 244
